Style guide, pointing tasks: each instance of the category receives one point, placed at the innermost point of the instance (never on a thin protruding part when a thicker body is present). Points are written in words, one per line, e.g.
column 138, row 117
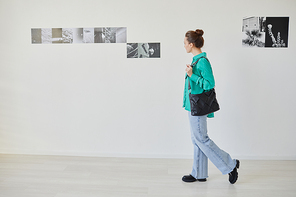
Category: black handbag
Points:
column 204, row 103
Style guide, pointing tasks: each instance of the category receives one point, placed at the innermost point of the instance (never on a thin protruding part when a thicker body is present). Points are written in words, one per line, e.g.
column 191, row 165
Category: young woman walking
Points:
column 201, row 79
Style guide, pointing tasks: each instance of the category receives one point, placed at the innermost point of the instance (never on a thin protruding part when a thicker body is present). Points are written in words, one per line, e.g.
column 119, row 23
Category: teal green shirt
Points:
column 201, row 80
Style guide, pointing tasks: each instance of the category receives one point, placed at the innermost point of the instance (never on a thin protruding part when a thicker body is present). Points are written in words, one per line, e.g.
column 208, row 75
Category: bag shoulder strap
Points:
column 192, row 65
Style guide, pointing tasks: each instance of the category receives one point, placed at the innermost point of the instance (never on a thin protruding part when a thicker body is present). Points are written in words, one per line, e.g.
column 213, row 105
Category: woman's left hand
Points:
column 188, row 70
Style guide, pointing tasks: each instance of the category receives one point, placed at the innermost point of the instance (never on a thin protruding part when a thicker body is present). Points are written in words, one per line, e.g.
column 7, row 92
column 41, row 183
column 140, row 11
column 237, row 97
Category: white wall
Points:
column 90, row 100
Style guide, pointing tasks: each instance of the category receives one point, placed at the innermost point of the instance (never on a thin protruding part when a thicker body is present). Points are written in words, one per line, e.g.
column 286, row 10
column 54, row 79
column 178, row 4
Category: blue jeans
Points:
column 205, row 148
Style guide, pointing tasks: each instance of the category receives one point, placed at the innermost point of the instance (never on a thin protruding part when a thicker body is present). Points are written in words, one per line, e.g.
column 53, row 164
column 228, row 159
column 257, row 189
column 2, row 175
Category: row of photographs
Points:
column 78, row 35
column 265, row 32
column 143, row 50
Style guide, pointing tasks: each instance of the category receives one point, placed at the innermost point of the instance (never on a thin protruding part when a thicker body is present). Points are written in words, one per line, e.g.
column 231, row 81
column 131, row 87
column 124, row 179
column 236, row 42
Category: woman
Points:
column 201, row 79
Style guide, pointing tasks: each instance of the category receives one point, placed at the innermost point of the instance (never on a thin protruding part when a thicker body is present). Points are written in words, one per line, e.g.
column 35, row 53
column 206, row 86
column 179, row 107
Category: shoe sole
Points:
column 237, row 164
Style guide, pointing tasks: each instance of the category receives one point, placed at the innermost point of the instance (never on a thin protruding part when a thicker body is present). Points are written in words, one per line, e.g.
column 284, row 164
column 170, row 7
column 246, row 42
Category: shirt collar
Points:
column 203, row 54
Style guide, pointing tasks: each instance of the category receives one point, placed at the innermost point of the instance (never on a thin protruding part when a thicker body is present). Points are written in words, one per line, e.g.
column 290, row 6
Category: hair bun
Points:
column 199, row 32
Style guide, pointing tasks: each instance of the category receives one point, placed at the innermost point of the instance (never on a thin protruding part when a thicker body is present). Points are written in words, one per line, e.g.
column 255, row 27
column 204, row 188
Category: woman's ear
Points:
column 191, row 45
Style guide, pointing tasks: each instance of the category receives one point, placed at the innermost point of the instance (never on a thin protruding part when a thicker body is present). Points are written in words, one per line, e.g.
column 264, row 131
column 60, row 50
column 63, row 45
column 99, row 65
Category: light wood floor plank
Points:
column 62, row 176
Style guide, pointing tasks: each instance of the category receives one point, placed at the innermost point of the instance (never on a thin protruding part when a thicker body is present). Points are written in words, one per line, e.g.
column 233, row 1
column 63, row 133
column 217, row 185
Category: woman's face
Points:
column 188, row 46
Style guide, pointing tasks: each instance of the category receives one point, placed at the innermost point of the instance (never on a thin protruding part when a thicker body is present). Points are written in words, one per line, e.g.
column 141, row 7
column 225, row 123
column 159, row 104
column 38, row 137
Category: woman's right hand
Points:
column 188, row 70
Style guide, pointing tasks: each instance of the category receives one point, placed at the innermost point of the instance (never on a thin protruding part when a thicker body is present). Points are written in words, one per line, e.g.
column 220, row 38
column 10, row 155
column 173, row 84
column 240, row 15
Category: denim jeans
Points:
column 205, row 148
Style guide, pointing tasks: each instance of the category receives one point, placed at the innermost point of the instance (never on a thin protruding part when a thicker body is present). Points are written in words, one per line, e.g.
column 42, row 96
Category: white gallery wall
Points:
column 90, row 100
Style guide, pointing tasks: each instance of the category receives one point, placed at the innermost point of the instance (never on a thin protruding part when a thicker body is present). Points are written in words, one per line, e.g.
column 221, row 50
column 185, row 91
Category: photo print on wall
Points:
column 110, row 35
column 78, row 35
column 143, row 50
column 36, row 36
column 265, row 32
column 94, row 35
column 57, row 35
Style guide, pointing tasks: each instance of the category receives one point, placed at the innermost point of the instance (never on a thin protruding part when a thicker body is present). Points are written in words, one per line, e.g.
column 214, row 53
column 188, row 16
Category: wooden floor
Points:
column 61, row 176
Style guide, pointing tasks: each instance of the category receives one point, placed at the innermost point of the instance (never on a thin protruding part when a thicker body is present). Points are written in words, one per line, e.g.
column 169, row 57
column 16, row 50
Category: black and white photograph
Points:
column 41, row 36
column 269, row 32
column 57, row 35
column 36, row 36
column 67, row 34
column 154, row 50
column 132, row 50
column 88, row 35
column 121, row 35
column 149, row 50
column 77, row 35
column 105, row 35
column 277, row 29
column 253, row 32
column 110, row 35
column 46, row 35
column 143, row 50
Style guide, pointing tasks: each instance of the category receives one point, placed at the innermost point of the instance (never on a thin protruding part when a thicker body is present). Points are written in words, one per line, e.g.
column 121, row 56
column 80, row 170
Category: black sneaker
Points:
column 233, row 176
column 190, row 178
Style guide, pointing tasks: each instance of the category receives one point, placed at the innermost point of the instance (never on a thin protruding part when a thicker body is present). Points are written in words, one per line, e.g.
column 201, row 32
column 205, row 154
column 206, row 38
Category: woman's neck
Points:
column 196, row 51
